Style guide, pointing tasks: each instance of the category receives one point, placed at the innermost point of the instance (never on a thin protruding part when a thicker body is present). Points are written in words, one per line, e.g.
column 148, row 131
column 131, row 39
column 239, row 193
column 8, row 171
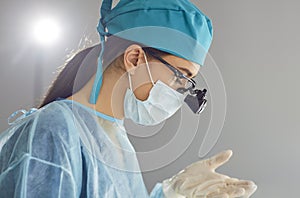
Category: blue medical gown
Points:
column 65, row 149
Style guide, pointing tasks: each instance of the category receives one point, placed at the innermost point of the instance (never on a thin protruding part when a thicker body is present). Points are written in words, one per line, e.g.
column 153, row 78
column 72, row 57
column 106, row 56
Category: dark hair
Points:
column 64, row 84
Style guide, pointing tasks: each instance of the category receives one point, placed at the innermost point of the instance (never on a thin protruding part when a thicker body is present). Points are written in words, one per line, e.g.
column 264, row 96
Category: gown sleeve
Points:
column 157, row 191
column 40, row 157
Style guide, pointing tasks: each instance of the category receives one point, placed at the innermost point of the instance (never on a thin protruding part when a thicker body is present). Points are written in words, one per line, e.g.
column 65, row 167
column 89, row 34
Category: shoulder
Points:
column 54, row 119
column 46, row 134
column 54, row 132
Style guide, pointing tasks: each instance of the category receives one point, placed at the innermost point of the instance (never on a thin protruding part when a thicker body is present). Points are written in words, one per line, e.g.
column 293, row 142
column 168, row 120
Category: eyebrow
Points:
column 189, row 73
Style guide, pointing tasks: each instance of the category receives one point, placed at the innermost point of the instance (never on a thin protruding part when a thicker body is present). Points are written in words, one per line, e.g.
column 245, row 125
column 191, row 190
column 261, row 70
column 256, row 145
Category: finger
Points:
column 238, row 192
column 218, row 195
column 233, row 180
column 219, row 159
column 216, row 187
column 233, row 191
column 249, row 186
column 209, row 186
column 249, row 192
column 222, row 187
column 219, row 187
column 202, row 183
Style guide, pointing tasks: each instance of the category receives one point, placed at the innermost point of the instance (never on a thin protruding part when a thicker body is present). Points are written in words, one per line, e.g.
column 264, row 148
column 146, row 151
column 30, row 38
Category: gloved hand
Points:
column 200, row 180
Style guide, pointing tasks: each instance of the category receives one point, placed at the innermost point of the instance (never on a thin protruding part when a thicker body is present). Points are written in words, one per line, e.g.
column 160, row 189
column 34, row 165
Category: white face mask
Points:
column 162, row 103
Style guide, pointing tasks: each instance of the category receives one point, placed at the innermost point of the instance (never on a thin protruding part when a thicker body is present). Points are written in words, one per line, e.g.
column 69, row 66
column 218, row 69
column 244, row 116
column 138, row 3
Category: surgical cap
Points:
column 174, row 26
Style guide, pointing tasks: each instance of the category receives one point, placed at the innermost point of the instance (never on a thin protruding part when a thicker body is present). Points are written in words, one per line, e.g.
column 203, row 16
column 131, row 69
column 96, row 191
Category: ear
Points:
column 133, row 56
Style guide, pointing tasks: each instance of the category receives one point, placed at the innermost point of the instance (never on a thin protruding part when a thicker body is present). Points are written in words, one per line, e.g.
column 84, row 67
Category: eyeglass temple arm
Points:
column 176, row 72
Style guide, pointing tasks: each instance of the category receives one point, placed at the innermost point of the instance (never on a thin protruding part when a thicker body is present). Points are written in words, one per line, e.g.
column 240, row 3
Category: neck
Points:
column 111, row 97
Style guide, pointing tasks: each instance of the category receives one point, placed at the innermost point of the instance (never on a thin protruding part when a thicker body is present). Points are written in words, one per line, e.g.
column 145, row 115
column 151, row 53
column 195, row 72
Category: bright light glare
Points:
column 46, row 31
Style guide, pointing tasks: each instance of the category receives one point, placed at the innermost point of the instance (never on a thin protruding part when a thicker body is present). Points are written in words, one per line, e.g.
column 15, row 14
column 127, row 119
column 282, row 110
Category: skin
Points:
column 116, row 82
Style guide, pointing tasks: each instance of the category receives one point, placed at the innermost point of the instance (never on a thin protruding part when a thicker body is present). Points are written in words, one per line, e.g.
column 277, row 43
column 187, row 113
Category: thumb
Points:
column 219, row 159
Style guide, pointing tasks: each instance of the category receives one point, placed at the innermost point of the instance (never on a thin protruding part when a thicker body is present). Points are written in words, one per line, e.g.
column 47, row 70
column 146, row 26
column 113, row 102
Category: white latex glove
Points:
column 200, row 180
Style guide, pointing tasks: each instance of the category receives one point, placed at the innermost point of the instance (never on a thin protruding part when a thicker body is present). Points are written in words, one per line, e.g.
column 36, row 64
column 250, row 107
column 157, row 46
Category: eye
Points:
column 190, row 75
column 185, row 71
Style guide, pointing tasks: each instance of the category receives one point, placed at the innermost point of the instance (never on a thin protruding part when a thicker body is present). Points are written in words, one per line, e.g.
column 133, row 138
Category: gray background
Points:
column 256, row 47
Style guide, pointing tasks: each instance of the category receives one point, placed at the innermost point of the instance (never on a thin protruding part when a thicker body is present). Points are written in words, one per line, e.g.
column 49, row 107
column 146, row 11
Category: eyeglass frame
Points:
column 176, row 72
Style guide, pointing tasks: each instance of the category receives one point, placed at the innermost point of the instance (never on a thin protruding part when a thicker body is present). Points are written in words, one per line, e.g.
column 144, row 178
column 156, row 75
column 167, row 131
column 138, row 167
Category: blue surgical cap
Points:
column 174, row 26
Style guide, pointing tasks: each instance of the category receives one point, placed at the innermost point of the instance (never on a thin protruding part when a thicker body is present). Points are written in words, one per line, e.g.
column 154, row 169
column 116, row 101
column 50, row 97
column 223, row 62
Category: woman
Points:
column 75, row 144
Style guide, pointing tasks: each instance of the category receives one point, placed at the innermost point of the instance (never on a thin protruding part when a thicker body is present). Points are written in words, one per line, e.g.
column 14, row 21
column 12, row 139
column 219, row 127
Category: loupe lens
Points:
column 196, row 100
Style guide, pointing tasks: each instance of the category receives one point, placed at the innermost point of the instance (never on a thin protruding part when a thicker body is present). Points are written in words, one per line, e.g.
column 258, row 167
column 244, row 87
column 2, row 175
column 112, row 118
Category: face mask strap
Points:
column 148, row 69
column 129, row 78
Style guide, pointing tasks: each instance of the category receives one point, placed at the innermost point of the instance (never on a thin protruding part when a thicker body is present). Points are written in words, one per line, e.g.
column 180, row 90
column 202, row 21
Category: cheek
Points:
column 142, row 92
column 165, row 75
column 162, row 73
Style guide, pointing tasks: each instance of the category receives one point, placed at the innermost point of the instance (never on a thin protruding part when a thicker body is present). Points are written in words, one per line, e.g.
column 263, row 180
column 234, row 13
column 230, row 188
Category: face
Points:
column 161, row 72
